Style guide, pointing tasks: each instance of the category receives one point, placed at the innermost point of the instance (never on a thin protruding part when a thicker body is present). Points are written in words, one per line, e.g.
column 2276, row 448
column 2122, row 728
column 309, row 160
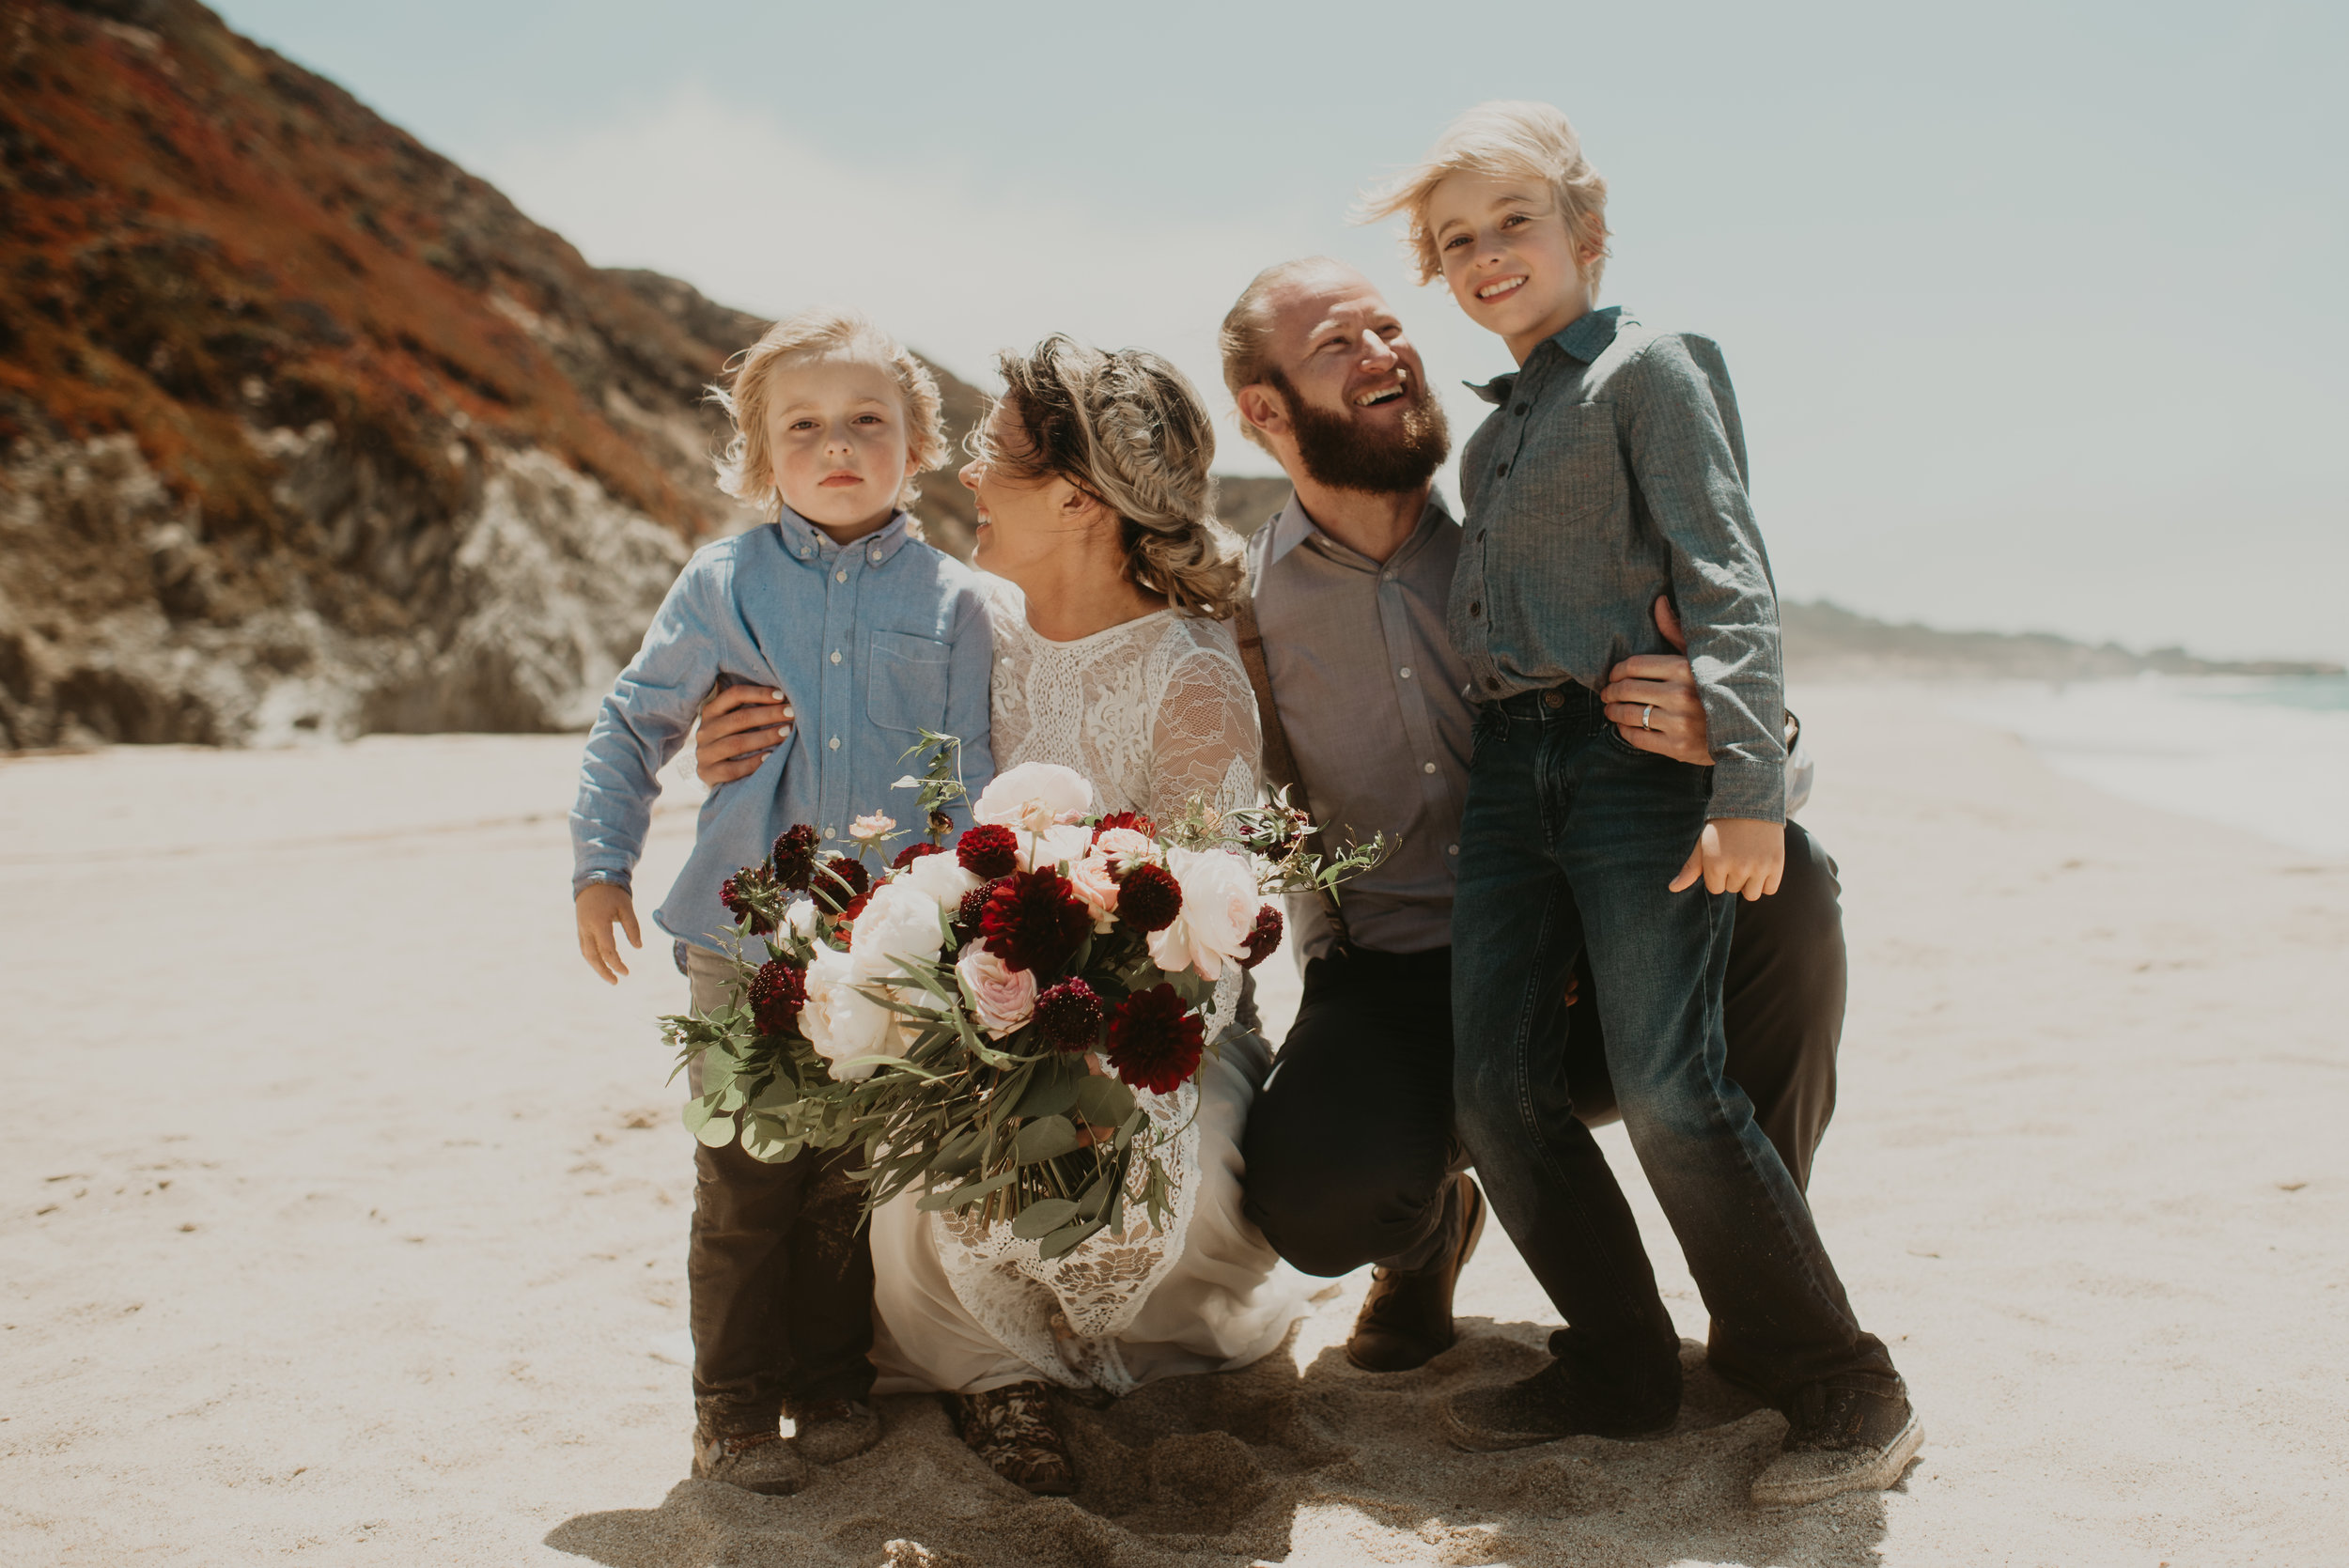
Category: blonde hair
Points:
column 1500, row 139
column 746, row 470
column 1127, row 429
column 1246, row 338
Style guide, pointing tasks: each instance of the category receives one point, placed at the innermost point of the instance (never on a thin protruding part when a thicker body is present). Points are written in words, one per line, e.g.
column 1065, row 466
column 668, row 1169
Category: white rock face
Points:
column 544, row 597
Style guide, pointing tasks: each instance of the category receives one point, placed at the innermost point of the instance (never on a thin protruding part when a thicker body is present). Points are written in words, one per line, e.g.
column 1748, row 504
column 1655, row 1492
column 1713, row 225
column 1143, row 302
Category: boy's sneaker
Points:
column 832, row 1430
column 1541, row 1409
column 1840, row 1438
column 756, row 1462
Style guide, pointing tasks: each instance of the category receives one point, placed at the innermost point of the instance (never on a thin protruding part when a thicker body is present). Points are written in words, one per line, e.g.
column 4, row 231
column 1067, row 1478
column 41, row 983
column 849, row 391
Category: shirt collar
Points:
column 1585, row 338
column 802, row 540
column 1293, row 526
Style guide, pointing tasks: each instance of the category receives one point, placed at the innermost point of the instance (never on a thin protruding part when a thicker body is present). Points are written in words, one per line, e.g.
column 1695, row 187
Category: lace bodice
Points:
column 1153, row 712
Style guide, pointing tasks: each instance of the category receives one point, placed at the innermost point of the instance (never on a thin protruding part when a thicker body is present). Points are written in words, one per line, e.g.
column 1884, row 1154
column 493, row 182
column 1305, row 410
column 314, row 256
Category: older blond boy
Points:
column 838, row 609
column 1611, row 469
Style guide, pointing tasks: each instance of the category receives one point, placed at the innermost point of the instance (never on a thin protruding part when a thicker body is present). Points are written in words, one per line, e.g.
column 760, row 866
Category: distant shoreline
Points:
column 1827, row 641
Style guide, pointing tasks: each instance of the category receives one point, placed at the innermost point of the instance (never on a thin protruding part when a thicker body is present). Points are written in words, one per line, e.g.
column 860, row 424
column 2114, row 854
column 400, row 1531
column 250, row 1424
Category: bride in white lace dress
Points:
column 1094, row 496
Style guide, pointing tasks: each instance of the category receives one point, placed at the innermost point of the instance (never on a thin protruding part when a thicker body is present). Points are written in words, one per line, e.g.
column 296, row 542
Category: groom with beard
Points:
column 1352, row 1158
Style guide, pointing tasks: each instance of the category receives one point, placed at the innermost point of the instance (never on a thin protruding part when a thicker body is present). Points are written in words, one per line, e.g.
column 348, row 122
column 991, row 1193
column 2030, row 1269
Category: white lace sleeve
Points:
column 1206, row 741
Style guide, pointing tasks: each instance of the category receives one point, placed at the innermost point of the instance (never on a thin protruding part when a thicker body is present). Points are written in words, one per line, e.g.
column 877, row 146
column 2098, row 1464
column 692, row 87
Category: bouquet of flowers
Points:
column 984, row 1015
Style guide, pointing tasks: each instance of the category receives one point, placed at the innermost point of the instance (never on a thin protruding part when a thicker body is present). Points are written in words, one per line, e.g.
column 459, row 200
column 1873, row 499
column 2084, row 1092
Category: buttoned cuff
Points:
column 1745, row 787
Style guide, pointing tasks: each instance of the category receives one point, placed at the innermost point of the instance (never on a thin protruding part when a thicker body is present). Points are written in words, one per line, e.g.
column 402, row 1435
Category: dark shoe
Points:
column 1541, row 1409
column 756, row 1462
column 1011, row 1428
column 831, row 1430
column 1839, row 1439
column 1406, row 1320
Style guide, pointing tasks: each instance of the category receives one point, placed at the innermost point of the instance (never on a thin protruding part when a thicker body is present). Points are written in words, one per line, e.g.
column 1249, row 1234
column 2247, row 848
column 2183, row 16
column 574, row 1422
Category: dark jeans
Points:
column 1567, row 842
column 1350, row 1141
column 781, row 1273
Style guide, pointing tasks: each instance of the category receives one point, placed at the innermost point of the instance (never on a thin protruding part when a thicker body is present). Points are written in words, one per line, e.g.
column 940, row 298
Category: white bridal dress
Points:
column 1153, row 712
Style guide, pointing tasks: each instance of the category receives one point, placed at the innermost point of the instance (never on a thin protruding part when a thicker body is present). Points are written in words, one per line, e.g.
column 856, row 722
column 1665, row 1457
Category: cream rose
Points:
column 1032, row 796
column 842, row 1022
column 1219, row 904
column 1004, row 996
column 1053, row 847
column 941, row 880
column 899, row 922
column 1096, row 883
column 1126, row 846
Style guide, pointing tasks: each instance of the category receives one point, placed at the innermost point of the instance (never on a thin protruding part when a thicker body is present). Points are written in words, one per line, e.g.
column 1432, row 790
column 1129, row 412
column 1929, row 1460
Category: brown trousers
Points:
column 779, row 1270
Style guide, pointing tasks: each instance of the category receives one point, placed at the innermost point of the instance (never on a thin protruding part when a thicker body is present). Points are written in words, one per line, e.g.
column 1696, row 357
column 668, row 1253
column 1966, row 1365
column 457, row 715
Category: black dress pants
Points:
column 1350, row 1143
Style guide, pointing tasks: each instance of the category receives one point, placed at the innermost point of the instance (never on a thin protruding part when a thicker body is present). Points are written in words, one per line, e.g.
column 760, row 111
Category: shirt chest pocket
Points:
column 1569, row 465
column 905, row 681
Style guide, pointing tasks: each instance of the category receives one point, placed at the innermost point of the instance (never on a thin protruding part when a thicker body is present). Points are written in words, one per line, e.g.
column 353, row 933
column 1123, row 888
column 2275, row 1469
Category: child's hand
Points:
column 598, row 906
column 1737, row 854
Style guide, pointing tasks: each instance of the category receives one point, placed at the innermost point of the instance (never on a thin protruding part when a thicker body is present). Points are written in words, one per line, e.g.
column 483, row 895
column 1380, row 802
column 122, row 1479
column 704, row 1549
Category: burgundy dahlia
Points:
column 830, row 893
column 778, row 991
column 1149, row 899
column 794, row 858
column 1068, row 1016
column 990, row 851
column 1034, row 919
column 1133, row 819
column 1154, row 1040
column 750, row 894
column 913, row 852
column 1262, row 938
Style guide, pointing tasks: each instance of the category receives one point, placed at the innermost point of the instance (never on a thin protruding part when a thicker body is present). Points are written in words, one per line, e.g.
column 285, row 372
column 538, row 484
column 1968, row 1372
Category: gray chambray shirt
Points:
column 1612, row 469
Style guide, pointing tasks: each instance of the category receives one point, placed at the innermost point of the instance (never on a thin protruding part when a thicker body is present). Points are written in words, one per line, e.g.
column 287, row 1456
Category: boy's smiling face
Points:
column 836, row 431
column 1508, row 257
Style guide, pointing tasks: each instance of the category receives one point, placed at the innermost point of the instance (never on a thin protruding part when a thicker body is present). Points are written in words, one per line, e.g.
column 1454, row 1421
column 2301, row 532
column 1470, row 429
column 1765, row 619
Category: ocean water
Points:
column 2270, row 756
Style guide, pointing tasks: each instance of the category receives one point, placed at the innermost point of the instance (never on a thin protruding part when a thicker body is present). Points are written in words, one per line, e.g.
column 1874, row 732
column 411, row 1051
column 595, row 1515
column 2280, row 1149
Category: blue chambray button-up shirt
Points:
column 871, row 641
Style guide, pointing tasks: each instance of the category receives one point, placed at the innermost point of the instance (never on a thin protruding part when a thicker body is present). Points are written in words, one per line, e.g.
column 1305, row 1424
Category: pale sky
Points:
column 2034, row 310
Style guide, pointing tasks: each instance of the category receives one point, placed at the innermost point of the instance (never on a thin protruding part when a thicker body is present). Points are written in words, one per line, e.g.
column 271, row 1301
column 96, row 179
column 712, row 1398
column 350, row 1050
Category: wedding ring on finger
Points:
column 1646, row 714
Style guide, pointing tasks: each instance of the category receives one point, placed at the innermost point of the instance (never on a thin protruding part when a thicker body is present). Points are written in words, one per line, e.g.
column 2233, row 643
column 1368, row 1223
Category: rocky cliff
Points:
column 303, row 428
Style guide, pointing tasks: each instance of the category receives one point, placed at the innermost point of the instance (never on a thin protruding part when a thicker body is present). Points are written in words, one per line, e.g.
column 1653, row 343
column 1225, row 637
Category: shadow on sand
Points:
column 1271, row 1465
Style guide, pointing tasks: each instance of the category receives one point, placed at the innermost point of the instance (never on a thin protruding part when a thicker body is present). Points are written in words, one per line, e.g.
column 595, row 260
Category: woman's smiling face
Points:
column 1021, row 521
column 1508, row 257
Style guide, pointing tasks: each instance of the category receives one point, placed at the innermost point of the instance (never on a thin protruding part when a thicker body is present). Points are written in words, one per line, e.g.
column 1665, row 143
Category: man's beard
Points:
column 1343, row 455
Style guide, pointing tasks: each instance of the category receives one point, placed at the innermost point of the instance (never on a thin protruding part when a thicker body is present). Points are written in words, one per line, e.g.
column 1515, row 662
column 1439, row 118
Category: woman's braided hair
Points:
column 1128, row 429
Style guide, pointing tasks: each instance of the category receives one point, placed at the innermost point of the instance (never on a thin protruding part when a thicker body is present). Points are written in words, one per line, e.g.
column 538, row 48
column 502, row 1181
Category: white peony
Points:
column 842, row 1022
column 900, row 920
column 1034, row 796
column 1219, row 904
column 801, row 916
column 941, row 880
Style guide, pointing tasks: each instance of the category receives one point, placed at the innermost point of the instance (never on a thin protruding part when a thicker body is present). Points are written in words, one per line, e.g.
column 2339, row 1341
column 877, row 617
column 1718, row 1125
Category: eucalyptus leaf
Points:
column 1103, row 1101
column 784, row 1092
column 696, row 1114
column 1053, row 1086
column 1065, row 1239
column 717, row 1132
column 1044, row 1139
column 971, row 1192
column 960, row 1155
column 1042, row 1217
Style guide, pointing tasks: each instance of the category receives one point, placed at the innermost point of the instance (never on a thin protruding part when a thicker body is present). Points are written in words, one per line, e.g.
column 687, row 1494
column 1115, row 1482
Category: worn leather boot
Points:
column 1405, row 1321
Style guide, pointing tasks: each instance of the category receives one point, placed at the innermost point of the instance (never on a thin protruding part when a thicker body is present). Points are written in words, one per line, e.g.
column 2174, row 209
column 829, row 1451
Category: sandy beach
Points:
column 342, row 1212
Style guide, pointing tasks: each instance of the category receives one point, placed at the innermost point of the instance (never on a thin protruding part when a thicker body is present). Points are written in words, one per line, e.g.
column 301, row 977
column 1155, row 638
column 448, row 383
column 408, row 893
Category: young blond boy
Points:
column 1612, row 470
column 837, row 609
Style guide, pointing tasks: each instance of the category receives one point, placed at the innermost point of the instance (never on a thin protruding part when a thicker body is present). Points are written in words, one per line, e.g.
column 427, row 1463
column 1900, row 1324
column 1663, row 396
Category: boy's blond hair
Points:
column 1500, row 139
column 746, row 470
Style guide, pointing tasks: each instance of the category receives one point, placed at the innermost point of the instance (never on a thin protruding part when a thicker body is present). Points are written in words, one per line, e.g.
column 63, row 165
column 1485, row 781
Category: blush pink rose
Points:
column 1125, row 847
column 1096, row 885
column 1004, row 996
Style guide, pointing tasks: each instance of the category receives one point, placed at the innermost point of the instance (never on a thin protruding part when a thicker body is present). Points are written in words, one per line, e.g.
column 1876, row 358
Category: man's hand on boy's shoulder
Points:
column 739, row 727
column 1651, row 698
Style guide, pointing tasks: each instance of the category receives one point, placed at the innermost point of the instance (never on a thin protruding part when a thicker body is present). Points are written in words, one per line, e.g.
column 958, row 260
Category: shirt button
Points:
column 1502, row 473
column 803, row 552
column 836, row 656
column 1492, row 683
column 1451, row 849
column 841, row 576
column 1521, row 408
column 1427, row 768
column 835, row 742
column 1476, row 608
column 1405, row 671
